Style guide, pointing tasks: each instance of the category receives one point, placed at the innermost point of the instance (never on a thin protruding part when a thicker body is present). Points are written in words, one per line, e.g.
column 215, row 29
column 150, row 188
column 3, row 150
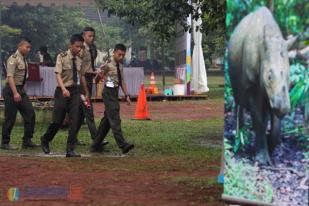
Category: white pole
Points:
column 188, row 56
column 101, row 21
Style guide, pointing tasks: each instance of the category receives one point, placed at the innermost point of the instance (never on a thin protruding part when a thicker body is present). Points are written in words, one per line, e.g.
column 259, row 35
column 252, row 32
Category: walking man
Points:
column 88, row 55
column 112, row 73
column 16, row 99
column 67, row 95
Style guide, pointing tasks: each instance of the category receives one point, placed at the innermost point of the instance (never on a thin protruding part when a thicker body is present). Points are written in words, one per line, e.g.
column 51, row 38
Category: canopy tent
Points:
column 199, row 76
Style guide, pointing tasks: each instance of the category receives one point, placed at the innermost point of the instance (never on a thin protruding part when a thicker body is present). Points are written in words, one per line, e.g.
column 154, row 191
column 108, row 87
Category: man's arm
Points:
column 58, row 71
column 82, row 74
column 101, row 73
column 65, row 92
column 84, row 85
column 17, row 97
column 11, row 66
column 124, row 89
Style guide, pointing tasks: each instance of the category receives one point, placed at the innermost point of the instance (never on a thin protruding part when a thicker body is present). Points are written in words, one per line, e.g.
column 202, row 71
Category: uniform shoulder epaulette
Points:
column 81, row 54
column 63, row 54
column 14, row 55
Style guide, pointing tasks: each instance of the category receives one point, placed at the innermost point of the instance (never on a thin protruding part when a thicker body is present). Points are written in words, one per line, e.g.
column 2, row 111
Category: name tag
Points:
column 109, row 83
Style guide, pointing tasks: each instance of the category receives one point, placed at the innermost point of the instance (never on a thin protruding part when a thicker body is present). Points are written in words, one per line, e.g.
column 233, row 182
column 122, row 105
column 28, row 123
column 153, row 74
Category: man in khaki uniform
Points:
column 16, row 99
column 113, row 78
column 88, row 55
column 67, row 95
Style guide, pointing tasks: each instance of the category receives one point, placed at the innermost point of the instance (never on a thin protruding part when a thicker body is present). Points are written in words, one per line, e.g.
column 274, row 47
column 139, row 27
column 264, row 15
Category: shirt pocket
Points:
column 21, row 65
column 67, row 65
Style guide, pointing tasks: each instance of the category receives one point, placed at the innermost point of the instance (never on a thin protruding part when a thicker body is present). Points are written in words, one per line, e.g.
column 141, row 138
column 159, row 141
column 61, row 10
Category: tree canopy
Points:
column 290, row 14
column 162, row 16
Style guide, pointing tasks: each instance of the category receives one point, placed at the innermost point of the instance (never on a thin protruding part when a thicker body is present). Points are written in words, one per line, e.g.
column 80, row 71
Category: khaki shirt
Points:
column 86, row 57
column 16, row 68
column 110, row 70
column 64, row 66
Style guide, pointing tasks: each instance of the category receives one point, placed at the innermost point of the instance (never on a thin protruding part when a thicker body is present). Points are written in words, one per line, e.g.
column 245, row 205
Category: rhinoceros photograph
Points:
column 266, row 138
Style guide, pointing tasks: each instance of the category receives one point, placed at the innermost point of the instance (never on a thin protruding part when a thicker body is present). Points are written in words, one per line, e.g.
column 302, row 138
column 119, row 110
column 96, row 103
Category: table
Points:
column 45, row 88
column 133, row 76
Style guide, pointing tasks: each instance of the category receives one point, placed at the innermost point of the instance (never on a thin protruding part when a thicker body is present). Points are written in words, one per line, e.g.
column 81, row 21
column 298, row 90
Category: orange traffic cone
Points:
column 153, row 88
column 141, row 112
column 152, row 79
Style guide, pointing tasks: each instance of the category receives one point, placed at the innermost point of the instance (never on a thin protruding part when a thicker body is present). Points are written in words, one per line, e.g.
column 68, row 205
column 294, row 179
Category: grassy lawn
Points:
column 152, row 138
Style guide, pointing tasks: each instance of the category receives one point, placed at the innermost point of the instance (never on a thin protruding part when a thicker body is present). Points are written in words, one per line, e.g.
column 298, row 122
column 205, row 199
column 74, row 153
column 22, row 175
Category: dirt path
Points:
column 100, row 182
column 183, row 110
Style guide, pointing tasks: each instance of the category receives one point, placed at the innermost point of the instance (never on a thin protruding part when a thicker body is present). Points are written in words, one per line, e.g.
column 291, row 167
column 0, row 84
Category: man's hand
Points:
column 99, row 77
column 87, row 97
column 65, row 93
column 128, row 99
column 103, row 65
column 17, row 97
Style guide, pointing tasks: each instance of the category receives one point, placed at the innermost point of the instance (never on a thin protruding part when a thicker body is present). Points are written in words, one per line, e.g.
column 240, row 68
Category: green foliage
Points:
column 227, row 145
column 228, row 92
column 299, row 96
column 213, row 43
column 251, row 187
column 7, row 31
column 159, row 16
column 50, row 26
column 290, row 14
column 237, row 9
column 300, row 80
column 159, row 20
column 242, row 139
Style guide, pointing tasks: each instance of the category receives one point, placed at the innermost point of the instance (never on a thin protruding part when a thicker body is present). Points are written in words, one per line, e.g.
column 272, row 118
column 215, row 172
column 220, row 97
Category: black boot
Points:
column 125, row 149
column 99, row 148
column 27, row 143
column 71, row 153
column 45, row 146
column 7, row 147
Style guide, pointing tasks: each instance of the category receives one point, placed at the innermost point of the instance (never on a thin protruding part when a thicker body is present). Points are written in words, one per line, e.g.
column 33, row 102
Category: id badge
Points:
column 109, row 83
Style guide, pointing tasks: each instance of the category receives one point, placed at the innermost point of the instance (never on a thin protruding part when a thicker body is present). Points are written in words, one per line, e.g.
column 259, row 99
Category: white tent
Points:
column 199, row 76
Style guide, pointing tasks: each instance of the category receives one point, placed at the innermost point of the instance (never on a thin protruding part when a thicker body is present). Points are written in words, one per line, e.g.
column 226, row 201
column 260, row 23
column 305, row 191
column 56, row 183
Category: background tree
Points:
column 49, row 26
column 160, row 17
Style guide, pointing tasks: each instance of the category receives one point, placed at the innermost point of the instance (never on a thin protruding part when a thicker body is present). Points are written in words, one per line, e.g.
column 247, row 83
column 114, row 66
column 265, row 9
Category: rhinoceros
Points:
column 259, row 72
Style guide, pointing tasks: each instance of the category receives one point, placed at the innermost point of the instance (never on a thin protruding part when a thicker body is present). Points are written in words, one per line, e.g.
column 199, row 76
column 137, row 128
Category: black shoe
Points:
column 104, row 143
column 7, row 147
column 72, row 154
column 127, row 148
column 29, row 144
column 45, row 146
column 80, row 143
column 100, row 148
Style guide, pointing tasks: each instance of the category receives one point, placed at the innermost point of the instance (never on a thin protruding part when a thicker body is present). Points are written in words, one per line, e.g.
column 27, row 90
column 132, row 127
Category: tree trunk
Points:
column 163, row 65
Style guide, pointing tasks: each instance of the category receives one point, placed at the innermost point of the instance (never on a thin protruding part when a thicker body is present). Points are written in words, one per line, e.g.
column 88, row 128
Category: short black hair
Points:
column 26, row 39
column 76, row 37
column 88, row 28
column 43, row 49
column 121, row 47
